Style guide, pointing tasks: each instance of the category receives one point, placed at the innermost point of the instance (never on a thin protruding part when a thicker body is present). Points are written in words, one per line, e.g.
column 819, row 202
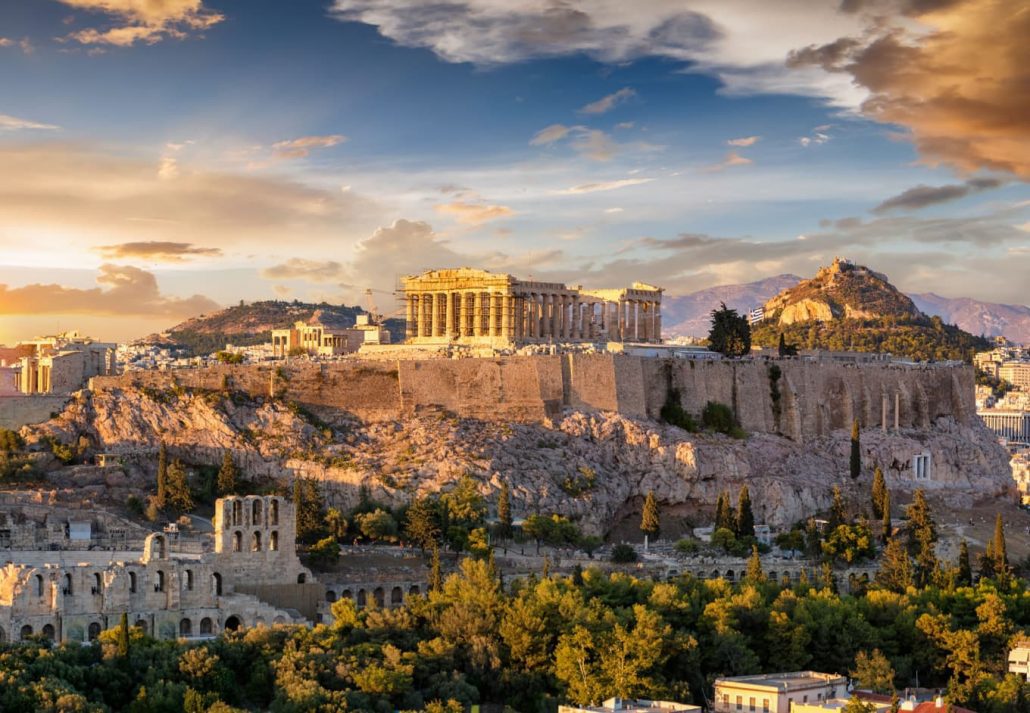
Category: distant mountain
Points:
column 689, row 315
column 987, row 318
column 850, row 307
column 246, row 324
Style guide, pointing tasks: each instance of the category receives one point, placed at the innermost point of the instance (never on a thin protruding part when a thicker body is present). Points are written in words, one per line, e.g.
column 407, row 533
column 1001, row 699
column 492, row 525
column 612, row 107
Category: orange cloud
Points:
column 473, row 213
column 157, row 250
column 299, row 148
column 147, row 21
column 959, row 88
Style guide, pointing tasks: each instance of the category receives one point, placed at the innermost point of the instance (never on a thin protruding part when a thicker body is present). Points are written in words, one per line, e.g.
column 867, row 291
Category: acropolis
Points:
column 477, row 307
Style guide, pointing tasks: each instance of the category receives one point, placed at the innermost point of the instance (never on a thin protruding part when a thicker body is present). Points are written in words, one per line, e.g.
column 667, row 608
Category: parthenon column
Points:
column 495, row 314
column 423, row 315
column 658, row 321
column 436, row 315
column 409, row 317
column 448, row 330
column 620, row 335
column 576, row 318
column 556, row 308
column 645, row 322
column 477, row 314
column 506, row 309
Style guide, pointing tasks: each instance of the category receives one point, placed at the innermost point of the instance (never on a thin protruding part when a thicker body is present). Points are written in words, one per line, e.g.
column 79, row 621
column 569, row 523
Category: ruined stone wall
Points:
column 815, row 398
column 18, row 411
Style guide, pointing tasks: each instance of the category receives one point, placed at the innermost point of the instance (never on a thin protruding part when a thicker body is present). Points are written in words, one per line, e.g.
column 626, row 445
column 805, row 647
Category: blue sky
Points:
column 162, row 158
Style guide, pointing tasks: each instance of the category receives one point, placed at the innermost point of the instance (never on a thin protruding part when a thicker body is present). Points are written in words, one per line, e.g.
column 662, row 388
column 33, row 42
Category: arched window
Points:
column 98, row 583
column 160, row 547
column 39, row 589
column 255, row 513
column 345, row 594
column 255, row 542
column 68, row 588
column 93, row 632
column 379, row 596
column 189, row 580
column 396, row 597
column 216, row 582
column 232, row 623
column 26, row 632
column 273, row 512
column 159, row 586
column 205, row 626
column 185, row 628
column 301, row 578
column 132, row 582
column 237, row 512
column 237, row 541
column 413, row 591
column 362, row 598
column 273, row 540
column 330, row 595
column 48, row 631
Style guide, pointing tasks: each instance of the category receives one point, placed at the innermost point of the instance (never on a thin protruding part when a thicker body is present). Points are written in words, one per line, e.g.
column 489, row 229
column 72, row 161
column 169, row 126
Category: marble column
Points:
column 658, row 321
column 556, row 308
column 495, row 314
column 576, row 318
column 409, row 317
column 506, row 310
column 448, row 328
column 620, row 335
column 424, row 315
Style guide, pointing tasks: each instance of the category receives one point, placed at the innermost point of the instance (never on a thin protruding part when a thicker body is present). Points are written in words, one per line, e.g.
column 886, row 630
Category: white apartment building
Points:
column 776, row 692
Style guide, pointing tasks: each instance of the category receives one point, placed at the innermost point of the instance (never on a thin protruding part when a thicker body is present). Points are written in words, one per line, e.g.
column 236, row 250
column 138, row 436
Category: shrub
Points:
column 624, row 554
column 719, row 418
column 674, row 414
column 687, row 546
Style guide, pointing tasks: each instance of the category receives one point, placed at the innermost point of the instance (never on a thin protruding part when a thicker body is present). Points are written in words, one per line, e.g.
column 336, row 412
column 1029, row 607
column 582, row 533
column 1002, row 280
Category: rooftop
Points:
column 640, row 704
column 785, row 681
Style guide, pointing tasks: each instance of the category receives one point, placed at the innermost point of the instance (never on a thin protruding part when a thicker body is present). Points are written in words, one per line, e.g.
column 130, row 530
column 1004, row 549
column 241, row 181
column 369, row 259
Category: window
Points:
column 237, row 512
column 255, row 542
column 726, row 700
column 68, row 589
column 750, row 704
column 740, row 702
column 237, row 541
column 216, row 583
column 98, row 583
column 273, row 540
column 804, row 699
column 159, row 586
column 765, row 705
column 39, row 589
column 255, row 513
column 132, row 582
column 189, row 580
column 273, row 512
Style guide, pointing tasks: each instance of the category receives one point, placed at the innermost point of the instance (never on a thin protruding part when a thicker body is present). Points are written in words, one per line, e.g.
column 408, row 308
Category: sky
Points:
column 161, row 159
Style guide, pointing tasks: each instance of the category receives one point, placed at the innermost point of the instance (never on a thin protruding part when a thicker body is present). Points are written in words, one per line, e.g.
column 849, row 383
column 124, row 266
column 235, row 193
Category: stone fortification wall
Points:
column 18, row 411
column 814, row 398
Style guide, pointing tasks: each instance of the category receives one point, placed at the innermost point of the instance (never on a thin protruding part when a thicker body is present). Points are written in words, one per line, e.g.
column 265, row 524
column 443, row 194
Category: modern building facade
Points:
column 477, row 307
column 777, row 692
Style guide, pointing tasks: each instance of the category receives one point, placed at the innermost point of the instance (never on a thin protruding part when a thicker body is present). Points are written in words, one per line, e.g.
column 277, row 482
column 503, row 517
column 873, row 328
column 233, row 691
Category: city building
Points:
column 835, row 705
column 1011, row 424
column 477, row 307
column 638, row 705
column 1016, row 373
column 1019, row 660
column 776, row 692
column 320, row 337
column 1020, row 464
column 56, row 364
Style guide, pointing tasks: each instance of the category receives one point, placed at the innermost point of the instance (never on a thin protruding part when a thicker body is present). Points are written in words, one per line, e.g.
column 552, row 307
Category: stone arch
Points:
column 237, row 512
column 729, row 575
column 259, row 621
column 232, row 623
column 380, row 596
column 161, row 546
column 98, row 583
column 255, row 512
column 237, row 541
column 141, row 624
column 273, row 541
column 26, row 632
column 93, row 631
column 216, row 584
column 716, row 574
column 69, row 584
column 346, row 594
column 206, row 626
column 39, row 586
column 49, row 632
column 279, row 621
column 302, row 578
column 273, row 511
column 330, row 595
column 185, row 627
column 159, row 585
column 132, row 583
column 396, row 596
column 255, row 541
column 362, row 598
column 773, row 577
column 413, row 591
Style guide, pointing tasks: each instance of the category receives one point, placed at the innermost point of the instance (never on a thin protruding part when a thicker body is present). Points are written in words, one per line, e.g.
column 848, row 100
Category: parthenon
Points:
column 472, row 306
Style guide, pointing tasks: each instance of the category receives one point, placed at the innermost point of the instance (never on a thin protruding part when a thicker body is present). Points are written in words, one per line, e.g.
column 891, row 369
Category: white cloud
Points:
column 590, row 143
column 609, row 102
column 468, row 213
column 303, row 146
column 613, row 210
column 549, row 135
column 13, row 123
column 732, row 159
column 604, row 186
column 745, row 141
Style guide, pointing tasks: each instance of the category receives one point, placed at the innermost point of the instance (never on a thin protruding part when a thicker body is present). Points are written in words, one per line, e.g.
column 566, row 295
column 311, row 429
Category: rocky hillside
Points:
column 245, row 324
column 593, row 466
column 690, row 315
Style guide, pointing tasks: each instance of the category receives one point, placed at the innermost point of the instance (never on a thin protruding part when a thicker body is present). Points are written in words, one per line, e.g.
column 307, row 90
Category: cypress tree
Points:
column 888, row 528
column 650, row 523
column 838, row 513
column 745, row 525
column 1001, row 557
column 227, row 475
column 856, row 451
column 879, row 491
column 720, row 511
column 895, row 571
column 965, row 572
column 754, row 573
column 162, row 474
column 123, row 635
column 177, row 487
column 782, row 347
column 922, row 539
column 435, row 574
column 504, row 511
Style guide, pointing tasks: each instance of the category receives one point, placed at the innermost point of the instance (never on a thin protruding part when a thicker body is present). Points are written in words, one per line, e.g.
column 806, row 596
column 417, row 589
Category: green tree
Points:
column 123, row 636
column 336, row 523
column 324, row 553
column 895, row 571
column 623, row 554
column 228, row 474
column 886, row 526
column 464, row 504
column 377, row 525
column 965, row 572
column 754, row 573
column 435, row 570
column 838, row 511
column 873, row 672
column 177, row 488
column 162, row 475
column 577, row 666
column 504, row 520
column 879, row 492
column 420, row 523
column 310, row 510
column 922, row 539
column 650, row 524
column 725, row 515
column 994, row 562
column 745, row 525
column 857, row 705
column 730, row 333
column 855, row 461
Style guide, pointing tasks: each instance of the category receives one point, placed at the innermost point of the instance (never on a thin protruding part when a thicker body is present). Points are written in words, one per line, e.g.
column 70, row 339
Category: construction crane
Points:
column 374, row 315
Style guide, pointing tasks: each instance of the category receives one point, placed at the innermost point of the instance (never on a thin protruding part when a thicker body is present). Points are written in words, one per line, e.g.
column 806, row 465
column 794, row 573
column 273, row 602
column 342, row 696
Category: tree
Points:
column 730, row 334
column 895, row 571
column 310, row 509
column 838, row 512
column 754, row 573
column 745, row 525
column 879, row 492
column 873, row 671
column 725, row 515
column 227, row 475
column 856, row 452
column 420, row 523
column 162, row 474
column 123, row 635
column 857, row 705
column 887, row 527
column 786, row 350
column 623, row 554
column 965, row 572
column 336, row 523
column 504, row 520
column 650, row 524
column 994, row 562
column 377, row 525
column 177, row 488
column 435, row 571
column 325, row 552
column 922, row 539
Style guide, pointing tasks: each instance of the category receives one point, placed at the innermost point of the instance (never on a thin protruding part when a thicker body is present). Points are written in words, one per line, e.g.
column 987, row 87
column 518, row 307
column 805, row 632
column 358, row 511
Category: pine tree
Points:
column 730, row 334
column 828, row 580
column 754, row 573
column 123, row 636
column 965, row 572
column 1001, row 557
column 838, row 513
column 650, row 523
column 879, row 491
column 420, row 523
column 922, row 539
column 745, row 525
column 310, row 509
column 725, row 515
column 177, row 488
column 856, row 451
column 504, row 520
column 162, row 474
column 887, row 529
column 435, row 574
column 895, row 571
column 227, row 475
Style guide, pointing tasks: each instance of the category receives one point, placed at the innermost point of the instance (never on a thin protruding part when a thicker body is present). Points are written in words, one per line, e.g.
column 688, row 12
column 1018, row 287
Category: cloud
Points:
column 609, row 102
column 473, row 213
column 550, row 134
column 746, row 141
column 309, row 270
column 923, row 196
column 156, row 250
column 955, row 78
column 604, row 186
column 123, row 290
column 613, row 210
column 24, row 44
column 625, row 125
column 13, row 123
column 147, row 21
column 732, row 159
column 590, row 143
column 818, row 136
column 299, row 148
